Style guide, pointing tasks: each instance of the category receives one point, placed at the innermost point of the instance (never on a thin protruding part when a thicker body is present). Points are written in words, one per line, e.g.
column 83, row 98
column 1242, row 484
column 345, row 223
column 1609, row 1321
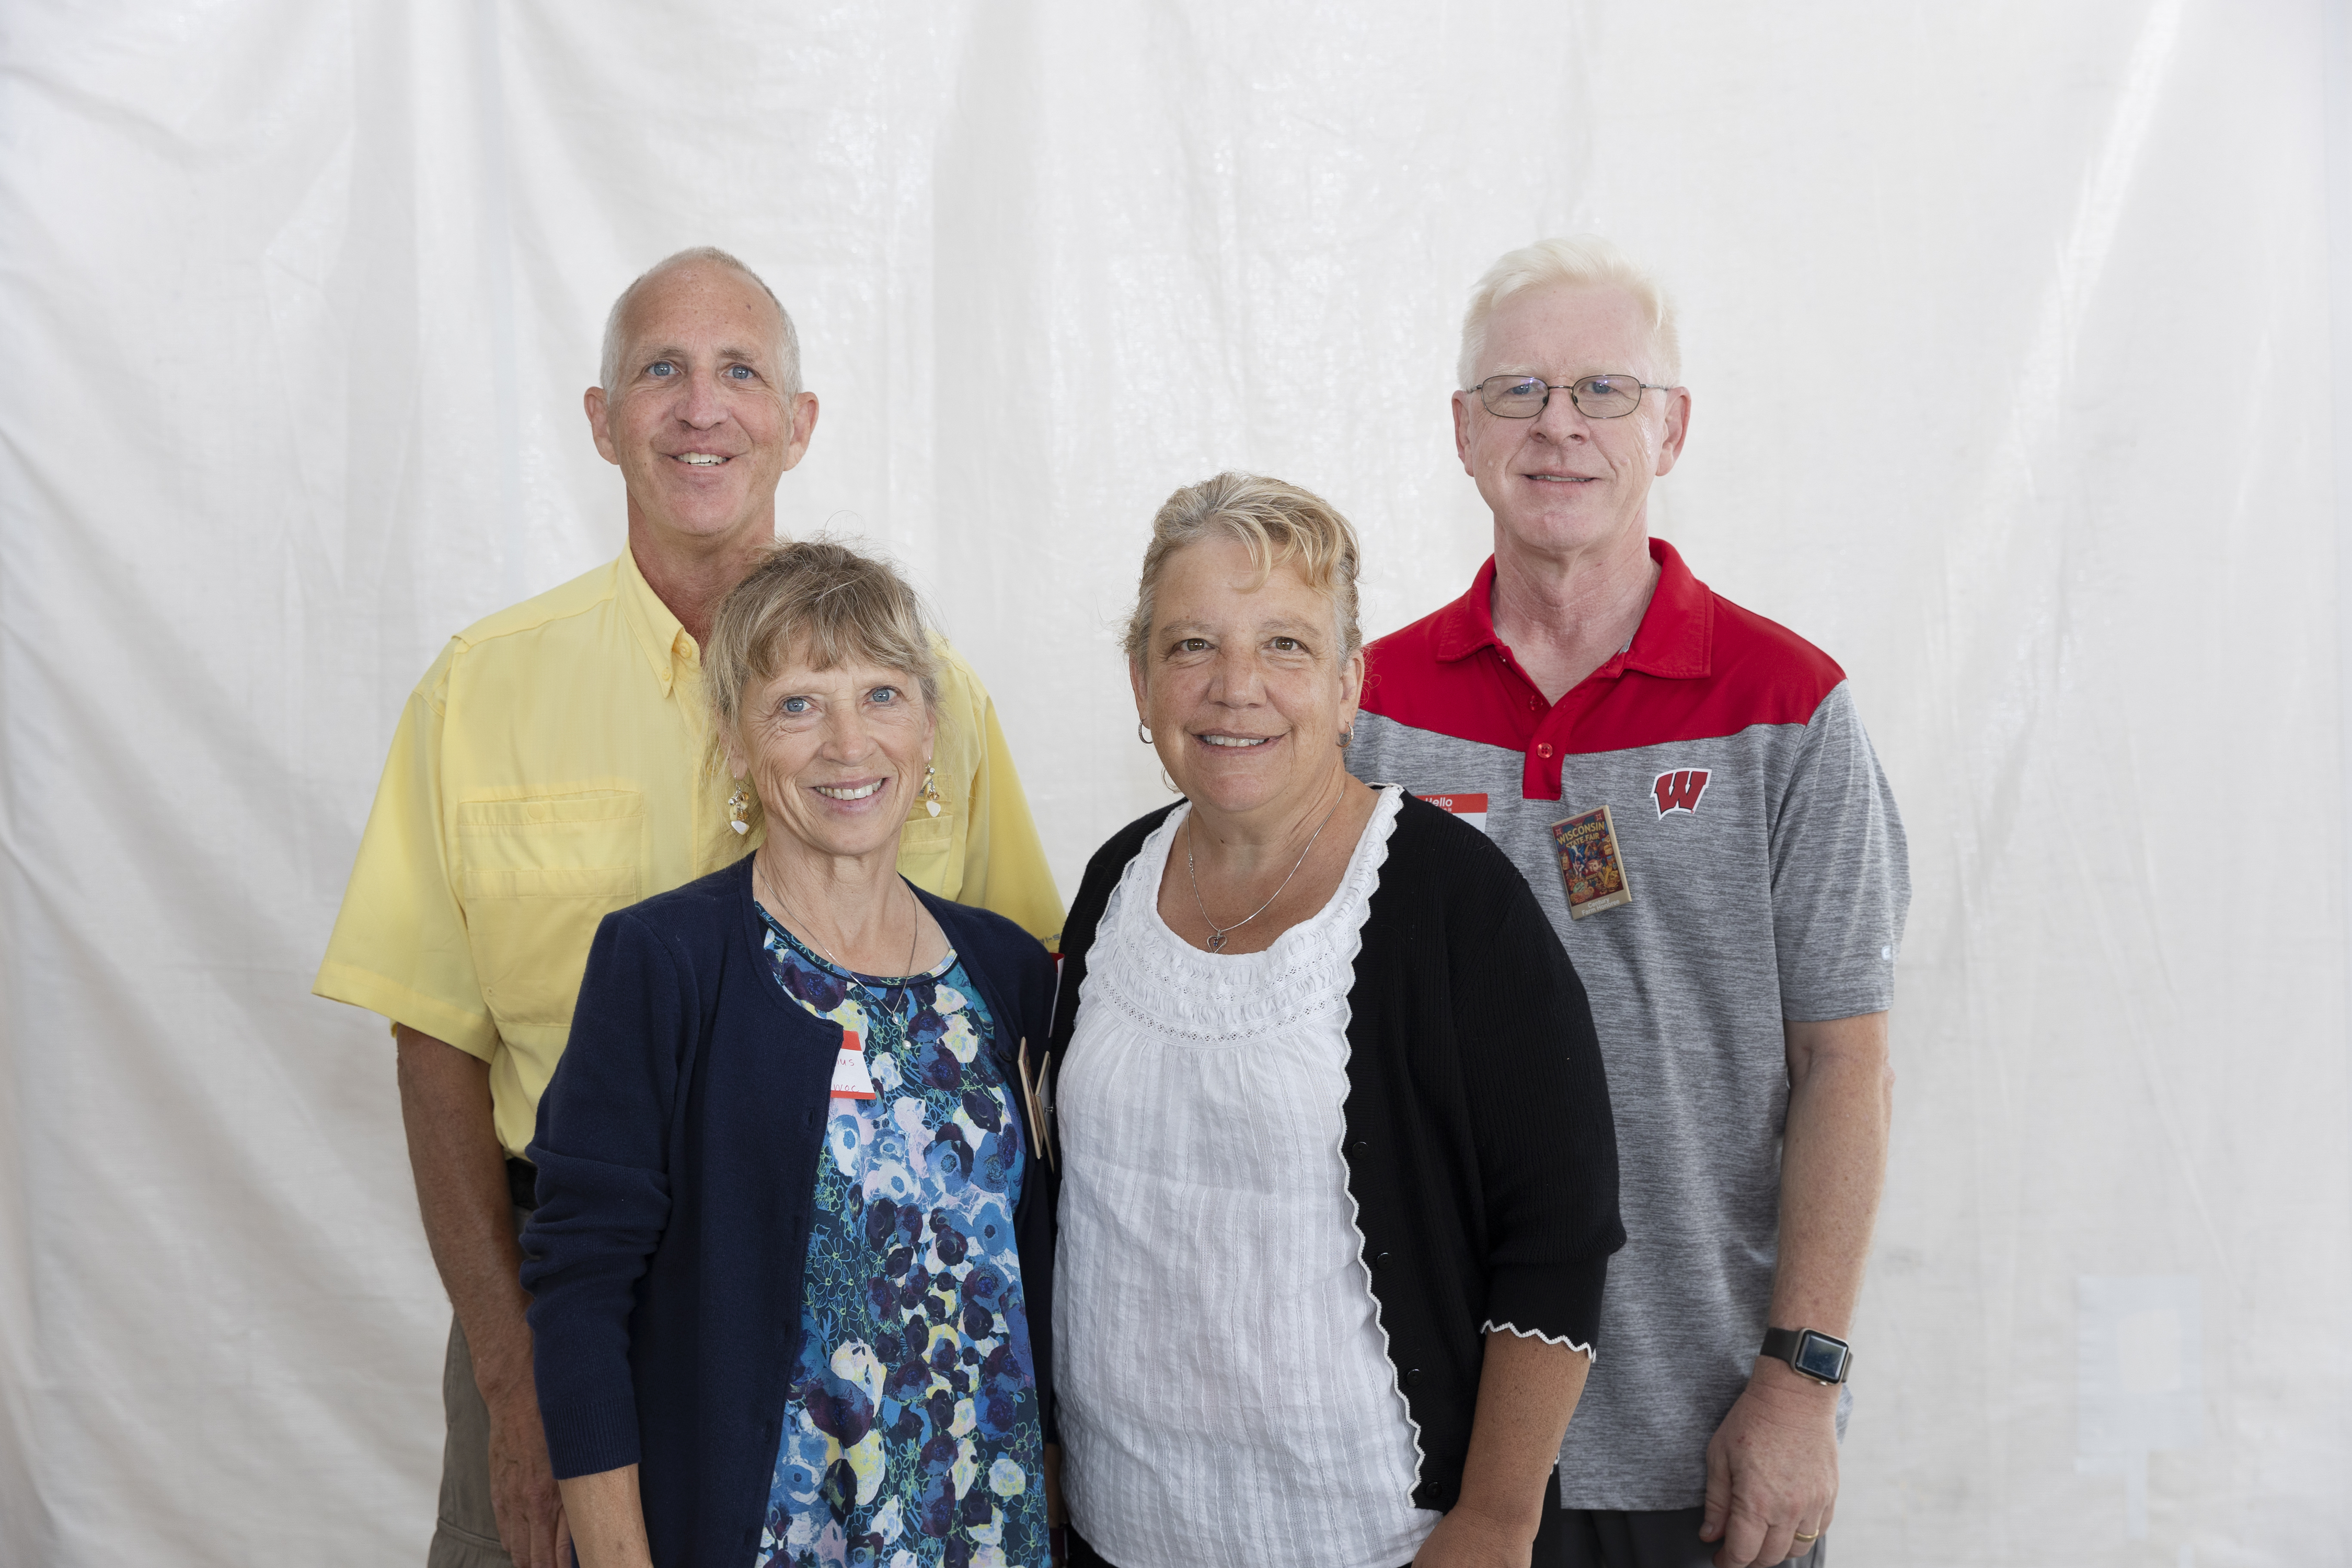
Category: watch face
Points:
column 1817, row 1355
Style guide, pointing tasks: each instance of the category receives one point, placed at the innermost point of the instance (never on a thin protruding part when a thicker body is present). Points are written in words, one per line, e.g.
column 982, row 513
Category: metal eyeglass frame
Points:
column 1571, row 387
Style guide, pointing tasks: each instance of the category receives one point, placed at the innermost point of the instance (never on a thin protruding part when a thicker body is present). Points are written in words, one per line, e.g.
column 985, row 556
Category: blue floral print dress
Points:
column 911, row 1435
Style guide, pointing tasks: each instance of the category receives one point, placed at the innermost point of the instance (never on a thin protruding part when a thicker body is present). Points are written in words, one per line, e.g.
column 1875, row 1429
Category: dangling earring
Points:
column 1142, row 733
column 931, row 789
column 739, row 807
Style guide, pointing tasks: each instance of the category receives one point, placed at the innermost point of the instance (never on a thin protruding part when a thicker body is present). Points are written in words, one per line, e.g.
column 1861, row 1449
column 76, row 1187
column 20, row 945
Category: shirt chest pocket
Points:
column 537, row 875
column 925, row 845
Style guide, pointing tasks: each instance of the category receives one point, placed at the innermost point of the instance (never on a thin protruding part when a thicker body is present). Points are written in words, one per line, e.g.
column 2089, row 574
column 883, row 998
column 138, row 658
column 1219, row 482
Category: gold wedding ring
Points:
column 1802, row 1535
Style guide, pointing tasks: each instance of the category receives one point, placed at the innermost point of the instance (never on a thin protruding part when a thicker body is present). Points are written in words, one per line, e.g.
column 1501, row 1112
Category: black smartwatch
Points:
column 1824, row 1358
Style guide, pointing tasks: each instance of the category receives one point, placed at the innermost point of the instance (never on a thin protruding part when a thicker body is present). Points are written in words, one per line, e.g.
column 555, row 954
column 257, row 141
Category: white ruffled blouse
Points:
column 1225, row 1392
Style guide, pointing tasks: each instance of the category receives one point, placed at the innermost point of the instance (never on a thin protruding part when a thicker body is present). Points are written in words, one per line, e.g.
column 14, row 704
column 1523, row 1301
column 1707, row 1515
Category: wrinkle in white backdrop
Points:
column 2003, row 324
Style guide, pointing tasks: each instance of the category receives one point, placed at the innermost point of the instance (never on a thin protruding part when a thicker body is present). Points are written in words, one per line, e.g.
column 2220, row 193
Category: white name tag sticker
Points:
column 1470, row 808
column 850, row 1078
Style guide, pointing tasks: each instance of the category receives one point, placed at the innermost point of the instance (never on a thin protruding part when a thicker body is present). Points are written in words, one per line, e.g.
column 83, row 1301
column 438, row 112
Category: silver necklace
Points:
column 1217, row 934
column 777, row 888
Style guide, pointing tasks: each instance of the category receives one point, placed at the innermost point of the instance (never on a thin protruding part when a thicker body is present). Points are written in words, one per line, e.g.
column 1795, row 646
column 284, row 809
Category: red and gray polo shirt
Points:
column 1767, row 879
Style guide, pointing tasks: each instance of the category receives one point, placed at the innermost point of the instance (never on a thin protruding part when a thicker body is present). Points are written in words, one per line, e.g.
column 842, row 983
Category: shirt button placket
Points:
column 1540, row 778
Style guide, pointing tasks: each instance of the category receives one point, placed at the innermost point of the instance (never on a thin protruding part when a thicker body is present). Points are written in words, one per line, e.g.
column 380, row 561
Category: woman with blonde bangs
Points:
column 1338, row 1173
column 792, row 1266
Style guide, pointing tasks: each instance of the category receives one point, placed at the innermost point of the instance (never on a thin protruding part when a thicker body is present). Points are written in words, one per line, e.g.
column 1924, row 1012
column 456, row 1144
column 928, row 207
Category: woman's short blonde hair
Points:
column 1276, row 521
column 820, row 601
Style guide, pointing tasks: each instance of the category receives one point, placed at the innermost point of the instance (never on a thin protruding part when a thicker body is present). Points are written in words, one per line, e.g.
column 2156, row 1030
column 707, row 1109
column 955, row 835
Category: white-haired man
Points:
column 1688, row 789
column 549, row 769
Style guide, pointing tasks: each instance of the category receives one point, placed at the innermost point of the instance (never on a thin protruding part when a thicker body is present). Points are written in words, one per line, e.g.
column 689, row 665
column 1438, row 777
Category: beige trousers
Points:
column 465, row 1535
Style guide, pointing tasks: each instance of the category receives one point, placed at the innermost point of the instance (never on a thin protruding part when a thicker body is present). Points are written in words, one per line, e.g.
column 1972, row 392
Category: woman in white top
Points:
column 1337, row 1173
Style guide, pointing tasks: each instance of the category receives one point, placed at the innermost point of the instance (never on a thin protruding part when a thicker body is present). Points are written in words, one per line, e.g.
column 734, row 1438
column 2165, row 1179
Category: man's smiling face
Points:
column 697, row 418
column 1564, row 483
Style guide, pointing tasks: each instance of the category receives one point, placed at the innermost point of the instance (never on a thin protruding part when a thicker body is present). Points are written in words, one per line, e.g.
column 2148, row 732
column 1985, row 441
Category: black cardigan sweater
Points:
column 677, row 1150
column 1480, row 1149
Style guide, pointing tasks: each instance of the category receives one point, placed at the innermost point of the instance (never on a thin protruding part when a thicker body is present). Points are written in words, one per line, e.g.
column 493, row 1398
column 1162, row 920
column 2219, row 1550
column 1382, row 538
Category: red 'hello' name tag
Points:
column 850, row 1078
column 1470, row 808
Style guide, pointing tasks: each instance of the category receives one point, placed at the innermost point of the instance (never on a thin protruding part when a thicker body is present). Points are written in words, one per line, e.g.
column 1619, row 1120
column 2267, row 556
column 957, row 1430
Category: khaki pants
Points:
column 466, row 1533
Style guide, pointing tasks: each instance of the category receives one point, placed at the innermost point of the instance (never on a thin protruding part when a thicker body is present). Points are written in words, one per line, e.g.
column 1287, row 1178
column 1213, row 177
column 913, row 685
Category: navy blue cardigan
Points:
column 677, row 1150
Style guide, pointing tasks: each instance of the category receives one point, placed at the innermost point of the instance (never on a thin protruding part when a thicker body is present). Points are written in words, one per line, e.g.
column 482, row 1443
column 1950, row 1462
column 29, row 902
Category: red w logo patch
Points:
column 1679, row 791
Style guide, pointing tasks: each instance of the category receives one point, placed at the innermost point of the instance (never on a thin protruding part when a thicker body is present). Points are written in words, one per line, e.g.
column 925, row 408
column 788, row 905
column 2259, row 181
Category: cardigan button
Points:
column 1358, row 1146
column 1412, row 1377
column 1380, row 1260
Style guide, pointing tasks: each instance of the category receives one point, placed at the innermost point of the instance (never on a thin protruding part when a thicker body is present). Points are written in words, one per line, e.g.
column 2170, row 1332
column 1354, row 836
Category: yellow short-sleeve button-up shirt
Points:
column 549, row 769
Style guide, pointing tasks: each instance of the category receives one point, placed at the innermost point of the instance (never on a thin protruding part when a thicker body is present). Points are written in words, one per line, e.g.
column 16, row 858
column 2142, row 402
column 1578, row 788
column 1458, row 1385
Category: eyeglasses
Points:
column 1596, row 396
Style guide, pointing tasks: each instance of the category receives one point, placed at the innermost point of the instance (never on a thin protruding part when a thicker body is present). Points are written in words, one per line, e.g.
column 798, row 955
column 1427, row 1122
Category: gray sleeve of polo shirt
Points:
column 1841, row 871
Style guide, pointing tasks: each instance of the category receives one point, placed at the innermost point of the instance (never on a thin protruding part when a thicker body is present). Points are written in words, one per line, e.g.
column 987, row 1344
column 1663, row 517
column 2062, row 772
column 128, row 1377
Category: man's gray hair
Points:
column 1583, row 260
column 788, row 337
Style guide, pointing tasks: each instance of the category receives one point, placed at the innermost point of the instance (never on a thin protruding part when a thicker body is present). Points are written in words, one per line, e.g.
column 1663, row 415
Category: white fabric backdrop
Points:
column 2005, row 326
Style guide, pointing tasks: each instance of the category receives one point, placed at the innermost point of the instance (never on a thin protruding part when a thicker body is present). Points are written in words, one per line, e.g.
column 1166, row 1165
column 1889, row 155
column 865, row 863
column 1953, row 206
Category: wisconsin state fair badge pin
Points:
column 1589, row 866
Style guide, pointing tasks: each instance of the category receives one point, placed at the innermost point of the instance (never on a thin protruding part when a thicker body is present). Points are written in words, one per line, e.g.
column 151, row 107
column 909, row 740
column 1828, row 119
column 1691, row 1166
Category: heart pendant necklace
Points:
column 1216, row 933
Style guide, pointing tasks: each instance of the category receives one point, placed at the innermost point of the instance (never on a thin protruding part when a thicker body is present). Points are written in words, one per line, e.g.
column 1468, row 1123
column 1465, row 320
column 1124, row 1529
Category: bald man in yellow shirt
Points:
column 548, row 770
